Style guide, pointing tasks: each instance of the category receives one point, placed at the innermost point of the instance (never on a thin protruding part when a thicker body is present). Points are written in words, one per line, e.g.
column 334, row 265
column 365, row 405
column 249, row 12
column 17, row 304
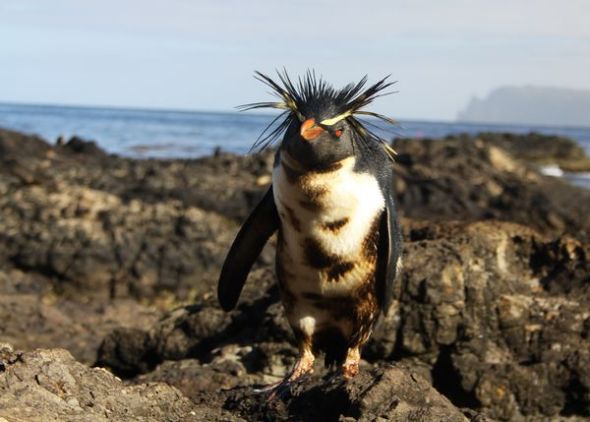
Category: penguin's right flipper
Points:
column 248, row 244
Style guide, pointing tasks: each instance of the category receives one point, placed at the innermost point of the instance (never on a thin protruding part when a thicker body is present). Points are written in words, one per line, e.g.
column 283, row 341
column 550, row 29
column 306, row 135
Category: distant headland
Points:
column 531, row 105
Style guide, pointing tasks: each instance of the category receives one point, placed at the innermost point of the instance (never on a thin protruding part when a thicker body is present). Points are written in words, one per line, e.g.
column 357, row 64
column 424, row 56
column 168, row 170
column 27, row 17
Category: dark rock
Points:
column 81, row 146
column 140, row 228
column 392, row 393
column 202, row 383
column 195, row 331
column 33, row 316
column 476, row 310
column 467, row 179
column 101, row 250
column 540, row 149
column 92, row 243
column 50, row 384
column 479, row 307
column 127, row 351
column 16, row 144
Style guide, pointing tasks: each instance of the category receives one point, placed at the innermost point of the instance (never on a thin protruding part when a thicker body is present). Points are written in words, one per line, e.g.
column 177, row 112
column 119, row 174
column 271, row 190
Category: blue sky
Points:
column 192, row 54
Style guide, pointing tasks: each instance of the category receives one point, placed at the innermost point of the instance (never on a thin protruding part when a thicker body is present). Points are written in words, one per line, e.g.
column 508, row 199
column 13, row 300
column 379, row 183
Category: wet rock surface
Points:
column 116, row 261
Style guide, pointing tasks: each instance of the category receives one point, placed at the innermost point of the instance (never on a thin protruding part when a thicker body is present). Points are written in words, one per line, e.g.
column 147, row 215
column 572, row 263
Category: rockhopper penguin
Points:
column 331, row 201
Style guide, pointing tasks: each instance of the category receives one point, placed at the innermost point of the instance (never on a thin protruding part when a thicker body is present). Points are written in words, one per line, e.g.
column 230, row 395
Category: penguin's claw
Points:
column 350, row 367
column 285, row 387
column 268, row 388
column 349, row 370
column 302, row 368
column 280, row 391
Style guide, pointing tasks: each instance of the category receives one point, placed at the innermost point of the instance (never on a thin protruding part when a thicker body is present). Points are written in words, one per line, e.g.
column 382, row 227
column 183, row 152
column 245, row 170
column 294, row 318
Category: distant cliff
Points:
column 530, row 104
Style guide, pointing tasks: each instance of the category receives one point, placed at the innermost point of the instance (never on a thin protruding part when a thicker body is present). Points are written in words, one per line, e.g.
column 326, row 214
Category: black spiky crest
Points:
column 310, row 95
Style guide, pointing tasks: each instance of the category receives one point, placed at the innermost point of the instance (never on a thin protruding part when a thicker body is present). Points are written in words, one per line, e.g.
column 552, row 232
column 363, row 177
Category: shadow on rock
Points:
column 389, row 392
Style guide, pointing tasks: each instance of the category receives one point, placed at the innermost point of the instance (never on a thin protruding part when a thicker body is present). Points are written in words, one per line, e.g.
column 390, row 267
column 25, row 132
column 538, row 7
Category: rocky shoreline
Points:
column 116, row 260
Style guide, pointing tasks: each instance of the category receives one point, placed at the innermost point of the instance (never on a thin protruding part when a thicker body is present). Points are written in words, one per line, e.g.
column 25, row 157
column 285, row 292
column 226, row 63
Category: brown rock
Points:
column 50, row 385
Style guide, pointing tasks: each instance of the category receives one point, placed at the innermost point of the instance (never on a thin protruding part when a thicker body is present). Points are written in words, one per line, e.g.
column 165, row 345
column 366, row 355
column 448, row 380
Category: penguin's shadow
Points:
column 326, row 399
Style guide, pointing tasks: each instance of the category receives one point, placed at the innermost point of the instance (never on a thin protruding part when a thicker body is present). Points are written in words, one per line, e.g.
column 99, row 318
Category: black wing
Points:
column 389, row 249
column 248, row 244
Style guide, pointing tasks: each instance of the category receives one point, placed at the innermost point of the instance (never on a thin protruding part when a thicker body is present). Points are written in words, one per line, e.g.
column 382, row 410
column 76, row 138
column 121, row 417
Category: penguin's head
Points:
column 315, row 142
column 319, row 124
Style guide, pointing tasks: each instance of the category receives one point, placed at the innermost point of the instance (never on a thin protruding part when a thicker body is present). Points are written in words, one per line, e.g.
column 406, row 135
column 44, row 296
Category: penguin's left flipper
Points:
column 388, row 252
column 255, row 232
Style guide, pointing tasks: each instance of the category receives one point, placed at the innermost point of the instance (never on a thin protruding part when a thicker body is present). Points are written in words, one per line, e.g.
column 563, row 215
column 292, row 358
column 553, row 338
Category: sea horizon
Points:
column 170, row 133
column 157, row 109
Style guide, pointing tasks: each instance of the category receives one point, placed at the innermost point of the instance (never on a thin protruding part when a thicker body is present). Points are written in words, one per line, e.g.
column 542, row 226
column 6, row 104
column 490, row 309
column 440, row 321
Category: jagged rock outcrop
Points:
column 116, row 260
column 494, row 314
column 45, row 385
column 49, row 385
column 467, row 179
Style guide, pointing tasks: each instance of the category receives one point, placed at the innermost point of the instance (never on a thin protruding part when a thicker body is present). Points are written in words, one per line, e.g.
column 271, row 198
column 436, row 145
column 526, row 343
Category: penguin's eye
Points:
column 338, row 133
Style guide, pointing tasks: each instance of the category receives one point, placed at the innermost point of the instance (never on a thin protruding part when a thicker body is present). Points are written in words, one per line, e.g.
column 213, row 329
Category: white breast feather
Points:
column 351, row 195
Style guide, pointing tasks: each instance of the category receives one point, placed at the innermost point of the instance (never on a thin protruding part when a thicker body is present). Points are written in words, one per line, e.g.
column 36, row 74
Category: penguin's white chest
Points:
column 327, row 220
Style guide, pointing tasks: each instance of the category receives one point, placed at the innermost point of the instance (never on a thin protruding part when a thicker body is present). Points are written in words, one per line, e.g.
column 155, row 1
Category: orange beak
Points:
column 310, row 130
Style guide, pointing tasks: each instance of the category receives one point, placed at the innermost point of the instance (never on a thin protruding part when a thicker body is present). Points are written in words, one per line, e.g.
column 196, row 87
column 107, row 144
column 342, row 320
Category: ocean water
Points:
column 142, row 133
